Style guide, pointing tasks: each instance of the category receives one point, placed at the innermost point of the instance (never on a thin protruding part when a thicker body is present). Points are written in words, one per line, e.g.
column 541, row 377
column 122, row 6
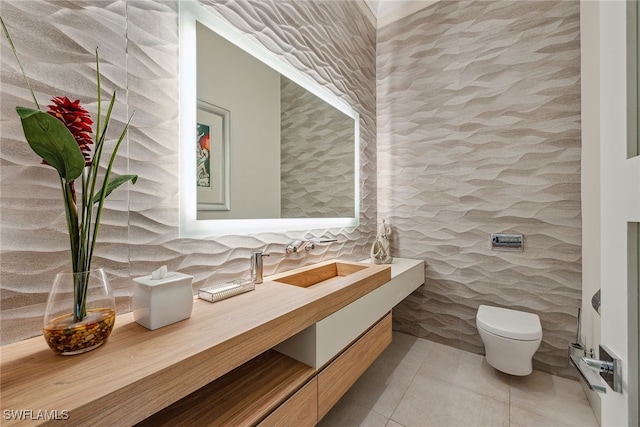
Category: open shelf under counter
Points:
column 242, row 397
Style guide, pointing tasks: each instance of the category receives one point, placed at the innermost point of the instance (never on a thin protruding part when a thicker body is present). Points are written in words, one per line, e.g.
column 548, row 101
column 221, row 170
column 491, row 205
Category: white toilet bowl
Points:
column 510, row 338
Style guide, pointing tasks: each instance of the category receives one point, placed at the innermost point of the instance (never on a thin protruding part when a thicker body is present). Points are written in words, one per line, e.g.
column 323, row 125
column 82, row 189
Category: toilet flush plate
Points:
column 507, row 242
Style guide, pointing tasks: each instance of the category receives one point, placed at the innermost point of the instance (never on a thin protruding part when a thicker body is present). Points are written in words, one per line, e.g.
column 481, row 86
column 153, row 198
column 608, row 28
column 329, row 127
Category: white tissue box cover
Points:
column 161, row 302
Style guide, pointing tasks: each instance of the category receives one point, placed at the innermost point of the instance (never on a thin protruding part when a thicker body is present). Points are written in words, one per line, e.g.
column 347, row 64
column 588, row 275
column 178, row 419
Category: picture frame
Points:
column 212, row 157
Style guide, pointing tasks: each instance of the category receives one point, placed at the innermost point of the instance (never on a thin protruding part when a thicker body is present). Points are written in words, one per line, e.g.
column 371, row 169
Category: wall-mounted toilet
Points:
column 510, row 338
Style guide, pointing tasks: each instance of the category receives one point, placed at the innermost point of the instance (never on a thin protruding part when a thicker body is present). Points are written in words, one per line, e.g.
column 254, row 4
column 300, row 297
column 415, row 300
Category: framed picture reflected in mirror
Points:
column 212, row 148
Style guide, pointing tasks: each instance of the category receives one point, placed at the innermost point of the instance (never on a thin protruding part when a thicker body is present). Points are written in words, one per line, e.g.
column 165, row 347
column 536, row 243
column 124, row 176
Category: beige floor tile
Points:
column 382, row 386
column 380, row 389
column 521, row 418
column 347, row 413
column 553, row 397
column 466, row 370
column 432, row 402
column 416, row 383
column 408, row 350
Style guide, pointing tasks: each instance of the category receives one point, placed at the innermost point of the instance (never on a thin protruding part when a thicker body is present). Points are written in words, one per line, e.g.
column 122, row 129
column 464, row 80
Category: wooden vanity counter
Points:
column 138, row 372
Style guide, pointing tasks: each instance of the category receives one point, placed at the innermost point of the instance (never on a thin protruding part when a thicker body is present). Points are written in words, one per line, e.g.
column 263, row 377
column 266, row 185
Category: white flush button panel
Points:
column 506, row 242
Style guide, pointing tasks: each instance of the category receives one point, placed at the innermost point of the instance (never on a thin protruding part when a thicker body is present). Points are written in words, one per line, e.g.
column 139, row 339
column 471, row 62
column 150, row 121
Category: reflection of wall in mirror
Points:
column 317, row 156
column 231, row 79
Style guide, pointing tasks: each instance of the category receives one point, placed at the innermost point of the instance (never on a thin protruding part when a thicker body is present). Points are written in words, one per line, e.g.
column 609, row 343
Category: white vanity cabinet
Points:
column 321, row 342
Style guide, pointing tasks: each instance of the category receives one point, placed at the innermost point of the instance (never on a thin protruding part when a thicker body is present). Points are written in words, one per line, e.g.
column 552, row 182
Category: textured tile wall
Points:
column 317, row 140
column 479, row 132
column 138, row 42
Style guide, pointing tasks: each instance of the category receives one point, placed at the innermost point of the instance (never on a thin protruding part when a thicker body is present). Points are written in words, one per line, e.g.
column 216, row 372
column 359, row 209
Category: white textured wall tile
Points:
column 479, row 132
column 317, row 158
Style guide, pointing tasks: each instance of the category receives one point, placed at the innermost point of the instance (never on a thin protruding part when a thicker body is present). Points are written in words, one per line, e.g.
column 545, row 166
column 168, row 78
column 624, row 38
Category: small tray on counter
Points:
column 226, row 290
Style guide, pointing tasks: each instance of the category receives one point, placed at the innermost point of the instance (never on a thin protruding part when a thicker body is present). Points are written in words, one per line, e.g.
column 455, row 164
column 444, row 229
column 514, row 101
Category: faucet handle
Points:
column 298, row 245
column 293, row 246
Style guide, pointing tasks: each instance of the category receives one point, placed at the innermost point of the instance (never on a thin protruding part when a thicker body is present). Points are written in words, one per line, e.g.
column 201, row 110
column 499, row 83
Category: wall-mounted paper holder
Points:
column 608, row 367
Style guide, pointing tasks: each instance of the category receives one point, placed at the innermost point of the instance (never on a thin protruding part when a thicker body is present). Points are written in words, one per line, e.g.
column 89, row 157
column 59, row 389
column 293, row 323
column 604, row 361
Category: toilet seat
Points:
column 512, row 324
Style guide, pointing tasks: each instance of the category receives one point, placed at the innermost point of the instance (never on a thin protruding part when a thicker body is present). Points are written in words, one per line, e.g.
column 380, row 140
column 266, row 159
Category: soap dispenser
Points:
column 257, row 266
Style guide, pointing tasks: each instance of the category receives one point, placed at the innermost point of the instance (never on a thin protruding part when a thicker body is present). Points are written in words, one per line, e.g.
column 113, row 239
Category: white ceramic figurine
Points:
column 380, row 253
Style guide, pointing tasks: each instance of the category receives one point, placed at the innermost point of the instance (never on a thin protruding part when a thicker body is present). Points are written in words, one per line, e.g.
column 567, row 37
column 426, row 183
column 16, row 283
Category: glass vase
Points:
column 77, row 321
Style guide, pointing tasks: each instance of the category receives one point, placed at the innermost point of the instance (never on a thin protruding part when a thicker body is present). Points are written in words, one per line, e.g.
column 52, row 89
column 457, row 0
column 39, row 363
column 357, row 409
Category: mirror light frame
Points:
column 190, row 226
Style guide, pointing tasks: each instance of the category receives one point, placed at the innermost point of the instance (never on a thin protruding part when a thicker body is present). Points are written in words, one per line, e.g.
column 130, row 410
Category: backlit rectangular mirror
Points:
column 263, row 146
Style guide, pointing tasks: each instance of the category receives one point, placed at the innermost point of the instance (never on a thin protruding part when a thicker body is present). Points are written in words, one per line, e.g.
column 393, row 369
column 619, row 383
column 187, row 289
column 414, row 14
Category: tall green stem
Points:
column 86, row 217
column 81, row 286
column 15, row 53
column 81, row 281
column 71, row 212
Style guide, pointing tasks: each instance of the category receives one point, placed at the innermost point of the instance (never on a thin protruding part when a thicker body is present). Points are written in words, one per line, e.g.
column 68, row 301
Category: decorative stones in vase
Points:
column 77, row 322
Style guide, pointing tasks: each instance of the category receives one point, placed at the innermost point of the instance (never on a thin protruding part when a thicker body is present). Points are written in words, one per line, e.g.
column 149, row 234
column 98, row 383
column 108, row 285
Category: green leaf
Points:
column 50, row 139
column 113, row 184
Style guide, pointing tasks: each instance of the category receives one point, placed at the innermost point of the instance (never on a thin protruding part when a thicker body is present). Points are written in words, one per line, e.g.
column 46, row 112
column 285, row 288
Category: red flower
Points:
column 205, row 142
column 77, row 120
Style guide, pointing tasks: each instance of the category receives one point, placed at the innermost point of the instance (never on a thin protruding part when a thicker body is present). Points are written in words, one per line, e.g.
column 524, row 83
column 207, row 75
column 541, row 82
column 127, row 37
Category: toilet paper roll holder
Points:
column 608, row 367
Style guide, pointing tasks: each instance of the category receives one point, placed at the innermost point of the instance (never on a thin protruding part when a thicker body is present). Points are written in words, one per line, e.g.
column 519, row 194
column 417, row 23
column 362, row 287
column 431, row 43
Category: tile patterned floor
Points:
column 417, row 383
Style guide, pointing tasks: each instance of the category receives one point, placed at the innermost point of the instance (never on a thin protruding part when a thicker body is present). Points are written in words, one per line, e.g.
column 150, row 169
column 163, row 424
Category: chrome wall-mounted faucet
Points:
column 257, row 266
column 299, row 245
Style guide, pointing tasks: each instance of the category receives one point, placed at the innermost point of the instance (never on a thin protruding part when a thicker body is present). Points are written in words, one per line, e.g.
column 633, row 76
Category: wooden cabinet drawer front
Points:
column 339, row 375
column 300, row 410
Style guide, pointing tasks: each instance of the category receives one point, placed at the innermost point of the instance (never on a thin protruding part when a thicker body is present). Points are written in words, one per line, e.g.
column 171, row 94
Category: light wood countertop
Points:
column 138, row 372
